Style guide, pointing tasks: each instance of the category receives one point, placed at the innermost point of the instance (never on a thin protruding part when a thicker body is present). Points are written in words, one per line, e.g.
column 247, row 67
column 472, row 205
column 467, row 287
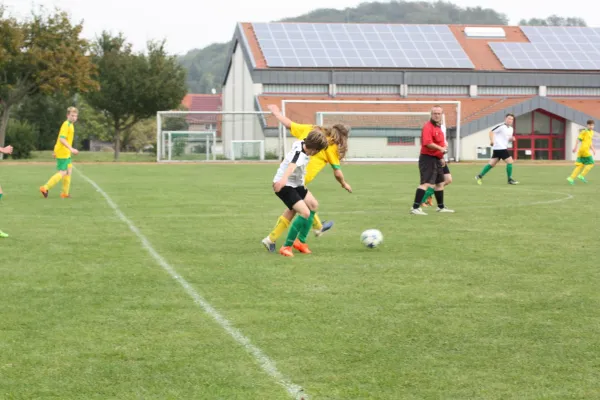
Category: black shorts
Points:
column 431, row 169
column 291, row 196
column 501, row 154
column 446, row 170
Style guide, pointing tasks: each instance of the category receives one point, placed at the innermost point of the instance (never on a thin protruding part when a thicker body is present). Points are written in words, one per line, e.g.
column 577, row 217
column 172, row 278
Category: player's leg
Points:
column 315, row 165
column 62, row 167
column 509, row 167
column 578, row 167
column 66, row 182
column 428, row 199
column 440, row 180
column 313, row 206
column 300, row 224
column 282, row 224
column 588, row 165
column 427, row 179
column 491, row 164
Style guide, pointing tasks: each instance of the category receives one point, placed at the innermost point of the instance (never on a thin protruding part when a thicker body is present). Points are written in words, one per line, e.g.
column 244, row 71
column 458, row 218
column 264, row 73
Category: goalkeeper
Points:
column 337, row 136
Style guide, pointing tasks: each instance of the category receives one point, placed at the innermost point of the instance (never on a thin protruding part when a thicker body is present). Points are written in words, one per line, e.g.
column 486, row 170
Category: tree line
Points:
column 46, row 66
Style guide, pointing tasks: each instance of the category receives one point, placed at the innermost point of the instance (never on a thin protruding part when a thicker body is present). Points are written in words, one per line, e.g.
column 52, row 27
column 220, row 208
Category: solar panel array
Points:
column 360, row 46
column 552, row 48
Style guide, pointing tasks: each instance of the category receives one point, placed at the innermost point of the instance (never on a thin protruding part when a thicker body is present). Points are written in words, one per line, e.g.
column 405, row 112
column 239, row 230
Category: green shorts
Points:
column 63, row 164
column 585, row 160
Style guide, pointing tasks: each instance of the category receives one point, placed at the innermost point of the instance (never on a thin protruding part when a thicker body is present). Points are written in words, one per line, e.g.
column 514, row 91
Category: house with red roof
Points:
column 548, row 77
column 210, row 105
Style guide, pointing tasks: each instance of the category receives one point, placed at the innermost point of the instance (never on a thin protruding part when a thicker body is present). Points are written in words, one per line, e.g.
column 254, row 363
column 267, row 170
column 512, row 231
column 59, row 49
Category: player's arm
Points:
column 491, row 135
column 579, row 139
column 427, row 137
column 280, row 117
column 63, row 140
column 289, row 171
column 339, row 176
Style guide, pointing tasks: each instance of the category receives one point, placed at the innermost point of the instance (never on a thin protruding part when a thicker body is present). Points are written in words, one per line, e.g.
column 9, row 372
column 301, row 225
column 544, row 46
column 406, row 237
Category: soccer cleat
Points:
column 570, row 180
column 3, row 235
column 65, row 196
column 327, row 225
column 44, row 192
column 269, row 245
column 479, row 179
column 511, row 181
column 444, row 210
column 286, row 251
column 582, row 178
column 417, row 211
column 301, row 247
column 428, row 203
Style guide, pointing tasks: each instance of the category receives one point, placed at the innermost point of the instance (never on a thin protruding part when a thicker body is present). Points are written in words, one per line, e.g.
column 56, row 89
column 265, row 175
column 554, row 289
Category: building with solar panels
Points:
column 376, row 76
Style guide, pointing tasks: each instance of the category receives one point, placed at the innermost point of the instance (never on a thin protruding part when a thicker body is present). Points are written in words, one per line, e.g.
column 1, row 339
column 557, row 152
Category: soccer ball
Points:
column 371, row 238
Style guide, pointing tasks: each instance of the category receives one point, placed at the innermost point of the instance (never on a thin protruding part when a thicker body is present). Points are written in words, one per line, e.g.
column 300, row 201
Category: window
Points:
column 558, row 126
column 523, row 124
column 400, row 141
column 541, row 124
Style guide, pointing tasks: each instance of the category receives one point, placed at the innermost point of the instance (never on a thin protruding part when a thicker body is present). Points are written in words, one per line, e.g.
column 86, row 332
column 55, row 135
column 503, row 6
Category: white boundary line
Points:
column 268, row 365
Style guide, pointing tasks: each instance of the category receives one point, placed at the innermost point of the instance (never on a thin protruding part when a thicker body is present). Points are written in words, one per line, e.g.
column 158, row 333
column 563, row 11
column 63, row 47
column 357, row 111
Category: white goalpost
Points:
column 201, row 136
column 382, row 134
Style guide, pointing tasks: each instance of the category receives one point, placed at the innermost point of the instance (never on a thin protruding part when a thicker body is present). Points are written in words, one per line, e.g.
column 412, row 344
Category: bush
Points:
column 178, row 147
column 22, row 137
column 271, row 155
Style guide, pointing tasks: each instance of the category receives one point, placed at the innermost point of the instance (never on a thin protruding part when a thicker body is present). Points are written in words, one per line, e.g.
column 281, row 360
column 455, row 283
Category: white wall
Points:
column 238, row 95
column 469, row 144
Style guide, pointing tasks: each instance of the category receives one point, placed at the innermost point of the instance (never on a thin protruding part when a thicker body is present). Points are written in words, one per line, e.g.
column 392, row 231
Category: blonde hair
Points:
column 316, row 140
column 338, row 134
column 72, row 110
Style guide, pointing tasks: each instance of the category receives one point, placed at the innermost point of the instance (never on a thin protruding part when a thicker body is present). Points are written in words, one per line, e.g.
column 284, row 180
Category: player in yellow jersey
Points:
column 4, row 150
column 337, row 136
column 63, row 149
column 585, row 159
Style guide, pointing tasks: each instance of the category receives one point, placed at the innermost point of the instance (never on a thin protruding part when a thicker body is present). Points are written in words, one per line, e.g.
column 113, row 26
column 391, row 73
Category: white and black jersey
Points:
column 502, row 133
column 298, row 157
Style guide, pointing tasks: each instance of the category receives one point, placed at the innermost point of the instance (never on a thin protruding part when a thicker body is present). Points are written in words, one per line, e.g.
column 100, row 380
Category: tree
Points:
column 554, row 20
column 133, row 87
column 43, row 55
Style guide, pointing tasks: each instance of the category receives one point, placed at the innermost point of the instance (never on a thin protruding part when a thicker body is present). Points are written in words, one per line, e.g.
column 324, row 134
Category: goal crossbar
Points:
column 285, row 102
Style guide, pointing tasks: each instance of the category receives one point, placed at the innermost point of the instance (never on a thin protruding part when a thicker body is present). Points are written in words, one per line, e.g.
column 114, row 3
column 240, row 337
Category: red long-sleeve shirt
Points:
column 432, row 133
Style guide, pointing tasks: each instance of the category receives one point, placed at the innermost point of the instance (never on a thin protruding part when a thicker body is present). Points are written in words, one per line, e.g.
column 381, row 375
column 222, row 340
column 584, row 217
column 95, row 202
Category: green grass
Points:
column 497, row 301
column 91, row 156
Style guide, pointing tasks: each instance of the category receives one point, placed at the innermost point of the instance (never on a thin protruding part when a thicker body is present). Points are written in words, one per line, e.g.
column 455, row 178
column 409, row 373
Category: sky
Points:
column 190, row 24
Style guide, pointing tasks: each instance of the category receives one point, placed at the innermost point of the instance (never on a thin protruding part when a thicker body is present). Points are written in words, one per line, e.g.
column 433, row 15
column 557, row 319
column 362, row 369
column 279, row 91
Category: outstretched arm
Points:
column 339, row 176
column 277, row 114
column 6, row 150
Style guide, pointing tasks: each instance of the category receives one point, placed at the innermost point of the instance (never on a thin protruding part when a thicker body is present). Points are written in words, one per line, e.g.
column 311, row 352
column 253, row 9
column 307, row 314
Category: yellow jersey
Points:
column 67, row 131
column 329, row 155
column 585, row 137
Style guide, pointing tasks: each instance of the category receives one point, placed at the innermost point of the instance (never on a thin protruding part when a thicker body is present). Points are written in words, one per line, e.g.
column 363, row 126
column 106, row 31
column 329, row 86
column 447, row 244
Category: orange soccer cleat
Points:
column 301, row 247
column 286, row 251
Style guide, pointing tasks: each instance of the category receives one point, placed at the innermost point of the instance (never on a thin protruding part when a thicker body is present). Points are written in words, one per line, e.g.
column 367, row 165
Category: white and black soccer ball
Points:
column 371, row 238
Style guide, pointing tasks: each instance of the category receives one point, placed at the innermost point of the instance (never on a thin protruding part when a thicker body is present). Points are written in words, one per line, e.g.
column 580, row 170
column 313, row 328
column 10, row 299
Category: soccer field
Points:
column 497, row 301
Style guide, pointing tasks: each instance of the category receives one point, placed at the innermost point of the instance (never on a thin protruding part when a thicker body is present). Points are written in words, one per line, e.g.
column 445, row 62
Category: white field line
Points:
column 268, row 365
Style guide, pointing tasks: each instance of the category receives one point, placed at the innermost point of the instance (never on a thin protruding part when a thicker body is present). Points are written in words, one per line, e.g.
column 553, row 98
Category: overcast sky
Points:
column 189, row 24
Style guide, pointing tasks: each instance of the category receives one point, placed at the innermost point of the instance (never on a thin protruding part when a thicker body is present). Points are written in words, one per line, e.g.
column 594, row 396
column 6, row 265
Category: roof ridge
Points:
column 480, row 111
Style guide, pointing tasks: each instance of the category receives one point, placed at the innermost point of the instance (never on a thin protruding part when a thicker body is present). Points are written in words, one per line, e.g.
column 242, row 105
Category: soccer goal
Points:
column 195, row 136
column 381, row 131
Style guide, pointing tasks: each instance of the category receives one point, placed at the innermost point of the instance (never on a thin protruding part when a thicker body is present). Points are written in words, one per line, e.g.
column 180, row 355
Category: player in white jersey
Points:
column 428, row 199
column 289, row 186
column 500, row 136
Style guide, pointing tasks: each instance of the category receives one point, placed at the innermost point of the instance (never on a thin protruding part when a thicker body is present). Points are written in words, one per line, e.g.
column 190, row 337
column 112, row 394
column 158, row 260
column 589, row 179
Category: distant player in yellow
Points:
column 4, row 150
column 337, row 136
column 63, row 149
column 585, row 159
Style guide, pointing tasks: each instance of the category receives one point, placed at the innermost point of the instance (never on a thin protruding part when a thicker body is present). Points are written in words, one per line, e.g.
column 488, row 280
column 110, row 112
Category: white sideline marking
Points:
column 295, row 391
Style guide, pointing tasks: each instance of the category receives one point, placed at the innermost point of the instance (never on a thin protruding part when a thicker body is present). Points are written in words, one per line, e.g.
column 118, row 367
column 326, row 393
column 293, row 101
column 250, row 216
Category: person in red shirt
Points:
column 431, row 162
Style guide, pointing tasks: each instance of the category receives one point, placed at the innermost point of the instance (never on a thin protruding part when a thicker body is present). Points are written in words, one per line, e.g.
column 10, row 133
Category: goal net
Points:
column 199, row 136
column 380, row 130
